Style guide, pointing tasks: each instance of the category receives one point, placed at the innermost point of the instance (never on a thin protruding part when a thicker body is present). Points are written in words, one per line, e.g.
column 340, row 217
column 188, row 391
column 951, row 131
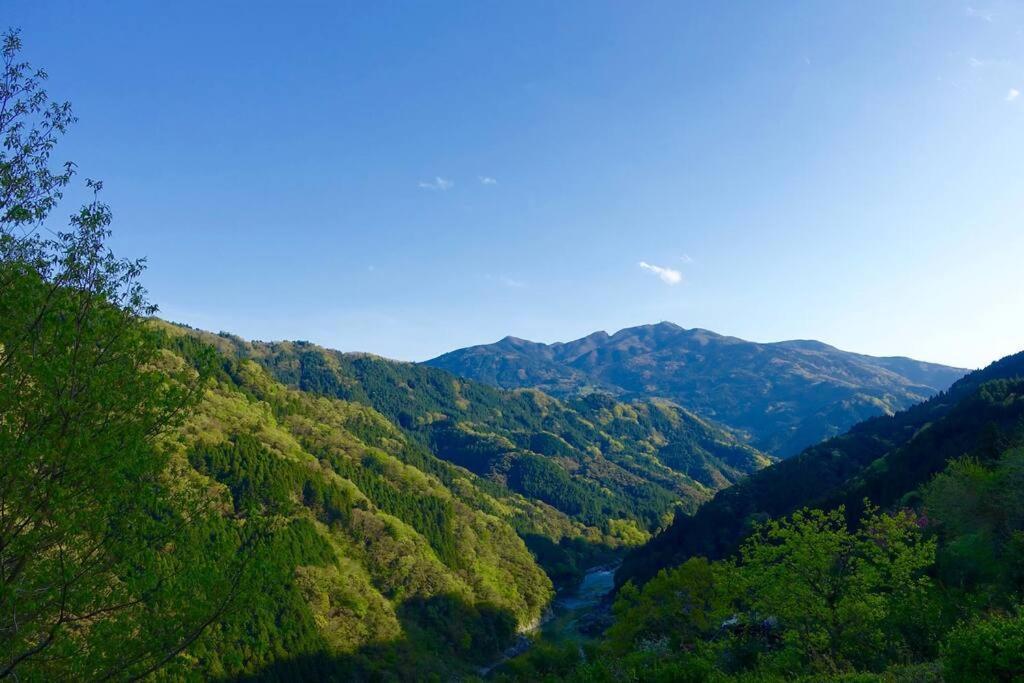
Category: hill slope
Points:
column 377, row 556
column 785, row 395
column 416, row 521
column 882, row 459
column 594, row 458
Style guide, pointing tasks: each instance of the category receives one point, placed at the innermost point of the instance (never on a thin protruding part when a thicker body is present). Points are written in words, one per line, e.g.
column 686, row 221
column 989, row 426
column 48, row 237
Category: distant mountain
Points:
column 783, row 396
column 884, row 460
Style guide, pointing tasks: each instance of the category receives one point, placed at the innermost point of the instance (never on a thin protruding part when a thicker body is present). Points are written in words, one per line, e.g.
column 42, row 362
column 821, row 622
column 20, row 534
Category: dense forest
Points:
column 594, row 458
column 881, row 459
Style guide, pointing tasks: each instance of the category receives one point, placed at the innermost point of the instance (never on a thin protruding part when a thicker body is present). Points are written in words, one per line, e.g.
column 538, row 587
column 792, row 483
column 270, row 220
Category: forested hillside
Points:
column 180, row 505
column 420, row 539
column 880, row 459
column 378, row 557
column 892, row 553
column 612, row 465
column 784, row 396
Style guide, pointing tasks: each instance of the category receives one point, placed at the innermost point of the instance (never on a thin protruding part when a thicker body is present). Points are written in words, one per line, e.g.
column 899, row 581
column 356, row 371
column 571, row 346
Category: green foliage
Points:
column 880, row 460
column 543, row 662
column 841, row 597
column 989, row 649
column 978, row 513
column 30, row 127
column 109, row 564
column 676, row 609
column 592, row 458
column 431, row 516
column 813, row 596
column 646, row 666
column 477, row 633
column 379, row 559
column 808, row 596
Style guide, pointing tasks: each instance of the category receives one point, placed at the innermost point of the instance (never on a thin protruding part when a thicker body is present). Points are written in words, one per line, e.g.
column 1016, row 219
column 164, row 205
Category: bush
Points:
column 989, row 649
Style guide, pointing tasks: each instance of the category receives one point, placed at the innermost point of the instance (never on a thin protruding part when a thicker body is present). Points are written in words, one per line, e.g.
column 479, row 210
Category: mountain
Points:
column 884, row 460
column 592, row 457
column 416, row 521
column 782, row 396
column 378, row 556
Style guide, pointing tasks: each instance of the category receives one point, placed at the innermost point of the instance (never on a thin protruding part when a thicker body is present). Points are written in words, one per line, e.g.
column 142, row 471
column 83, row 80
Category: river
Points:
column 568, row 616
column 570, row 610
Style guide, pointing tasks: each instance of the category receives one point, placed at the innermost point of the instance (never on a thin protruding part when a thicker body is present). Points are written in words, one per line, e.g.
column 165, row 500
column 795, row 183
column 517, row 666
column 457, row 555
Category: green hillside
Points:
column 374, row 564
column 596, row 459
column 894, row 553
column 881, row 459
column 417, row 520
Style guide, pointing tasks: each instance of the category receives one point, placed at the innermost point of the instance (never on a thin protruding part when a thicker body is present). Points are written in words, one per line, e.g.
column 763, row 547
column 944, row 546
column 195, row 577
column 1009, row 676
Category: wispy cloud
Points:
column 437, row 183
column 988, row 63
column 669, row 276
column 686, row 258
column 509, row 282
column 976, row 13
column 1012, row 94
column 506, row 281
column 487, row 180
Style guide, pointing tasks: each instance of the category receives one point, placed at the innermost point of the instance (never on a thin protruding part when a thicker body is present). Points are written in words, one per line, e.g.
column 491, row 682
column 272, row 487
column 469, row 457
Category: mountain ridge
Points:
column 782, row 395
column 880, row 459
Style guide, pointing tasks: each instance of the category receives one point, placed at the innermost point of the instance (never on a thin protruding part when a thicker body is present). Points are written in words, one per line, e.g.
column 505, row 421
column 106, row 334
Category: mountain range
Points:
column 780, row 397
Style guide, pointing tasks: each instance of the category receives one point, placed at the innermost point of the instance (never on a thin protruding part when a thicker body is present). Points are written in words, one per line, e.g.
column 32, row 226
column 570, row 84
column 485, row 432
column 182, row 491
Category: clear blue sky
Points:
column 408, row 178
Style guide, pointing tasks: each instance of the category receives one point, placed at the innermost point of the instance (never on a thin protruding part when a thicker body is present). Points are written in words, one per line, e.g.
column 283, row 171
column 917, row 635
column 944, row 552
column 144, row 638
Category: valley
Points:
column 302, row 469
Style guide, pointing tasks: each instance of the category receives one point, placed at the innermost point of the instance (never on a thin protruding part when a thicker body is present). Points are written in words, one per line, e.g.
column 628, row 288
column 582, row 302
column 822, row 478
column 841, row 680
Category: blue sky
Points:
column 409, row 178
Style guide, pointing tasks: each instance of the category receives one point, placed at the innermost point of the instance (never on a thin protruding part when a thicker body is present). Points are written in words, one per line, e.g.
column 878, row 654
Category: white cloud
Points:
column 509, row 282
column 1012, row 94
column 980, row 14
column 437, row 183
column 669, row 276
column 487, row 180
column 506, row 281
column 686, row 258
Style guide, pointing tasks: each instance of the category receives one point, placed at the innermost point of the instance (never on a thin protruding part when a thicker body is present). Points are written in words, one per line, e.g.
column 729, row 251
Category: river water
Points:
column 572, row 607
column 567, row 618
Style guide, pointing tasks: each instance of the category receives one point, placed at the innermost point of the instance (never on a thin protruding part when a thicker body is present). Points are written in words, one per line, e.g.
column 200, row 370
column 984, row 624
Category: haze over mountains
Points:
column 782, row 396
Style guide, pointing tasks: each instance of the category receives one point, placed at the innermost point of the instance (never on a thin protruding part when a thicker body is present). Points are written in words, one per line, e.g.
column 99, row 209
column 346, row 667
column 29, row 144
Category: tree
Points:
column 985, row 649
column 675, row 609
column 108, row 567
column 841, row 597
